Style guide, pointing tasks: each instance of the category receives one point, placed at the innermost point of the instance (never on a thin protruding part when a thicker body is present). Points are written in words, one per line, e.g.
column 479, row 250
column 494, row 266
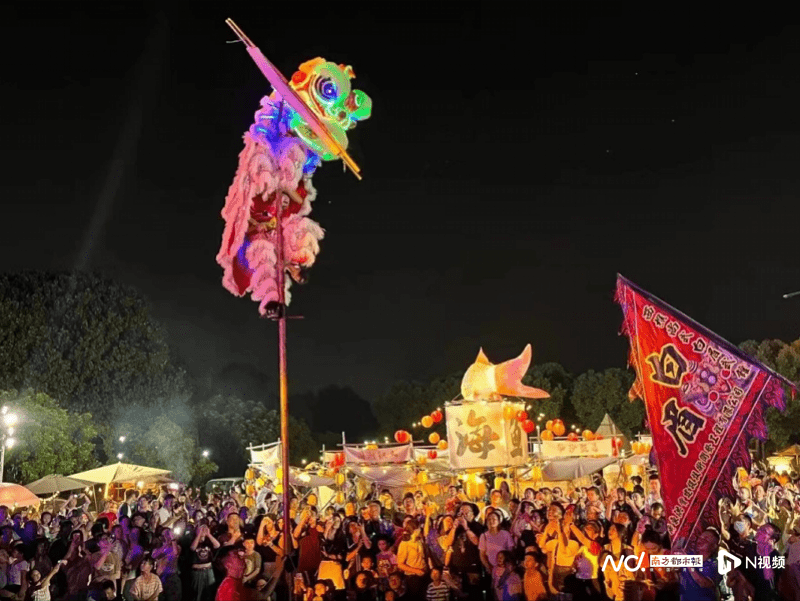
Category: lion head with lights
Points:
column 325, row 88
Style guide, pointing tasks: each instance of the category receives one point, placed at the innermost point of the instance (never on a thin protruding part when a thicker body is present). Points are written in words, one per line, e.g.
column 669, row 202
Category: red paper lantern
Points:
column 401, row 436
column 549, row 425
column 432, row 454
column 598, row 437
column 547, row 435
column 528, row 426
column 573, row 437
column 522, row 415
column 437, row 416
column 558, row 427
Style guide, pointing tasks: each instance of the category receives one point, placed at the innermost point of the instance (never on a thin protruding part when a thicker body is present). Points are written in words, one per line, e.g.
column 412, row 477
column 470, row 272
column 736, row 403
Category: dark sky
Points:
column 514, row 163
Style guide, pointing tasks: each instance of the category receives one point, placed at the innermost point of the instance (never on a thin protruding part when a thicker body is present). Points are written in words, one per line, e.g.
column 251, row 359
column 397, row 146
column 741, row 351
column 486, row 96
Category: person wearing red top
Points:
column 232, row 587
column 109, row 512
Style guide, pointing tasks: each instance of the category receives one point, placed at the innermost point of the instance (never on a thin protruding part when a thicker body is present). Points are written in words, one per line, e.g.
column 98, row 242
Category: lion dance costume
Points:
column 281, row 154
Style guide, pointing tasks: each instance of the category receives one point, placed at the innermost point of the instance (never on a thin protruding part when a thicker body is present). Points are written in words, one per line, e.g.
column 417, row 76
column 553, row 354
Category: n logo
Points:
column 727, row 562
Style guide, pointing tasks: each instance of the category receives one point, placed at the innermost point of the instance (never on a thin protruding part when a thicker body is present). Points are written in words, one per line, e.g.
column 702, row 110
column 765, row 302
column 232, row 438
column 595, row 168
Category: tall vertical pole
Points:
column 2, row 457
column 284, row 394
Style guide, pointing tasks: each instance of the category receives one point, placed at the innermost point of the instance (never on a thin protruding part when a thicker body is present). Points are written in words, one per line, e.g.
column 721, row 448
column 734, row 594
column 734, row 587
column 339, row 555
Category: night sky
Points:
column 513, row 165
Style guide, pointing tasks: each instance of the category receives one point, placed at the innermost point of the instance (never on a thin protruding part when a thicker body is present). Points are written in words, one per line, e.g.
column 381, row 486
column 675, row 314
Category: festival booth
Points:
column 486, row 444
column 786, row 461
column 118, row 477
column 264, row 478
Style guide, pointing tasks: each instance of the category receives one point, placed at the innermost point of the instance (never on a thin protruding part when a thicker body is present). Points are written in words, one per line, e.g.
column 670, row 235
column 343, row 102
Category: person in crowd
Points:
column 411, row 561
column 39, row 586
column 437, row 589
column 308, row 534
column 617, row 549
column 202, row 577
column 129, row 507
column 534, row 580
column 506, row 582
column 493, row 541
column 496, row 505
column 147, row 586
column 702, row 584
column 232, row 560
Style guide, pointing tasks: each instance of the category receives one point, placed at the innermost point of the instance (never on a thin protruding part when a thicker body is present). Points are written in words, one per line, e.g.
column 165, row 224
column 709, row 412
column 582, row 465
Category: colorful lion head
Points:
column 325, row 88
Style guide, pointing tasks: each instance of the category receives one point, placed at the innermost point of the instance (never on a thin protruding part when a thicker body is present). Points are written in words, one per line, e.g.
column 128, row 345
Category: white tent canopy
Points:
column 120, row 472
column 298, row 477
column 572, row 469
column 390, row 476
column 56, row 483
column 609, row 429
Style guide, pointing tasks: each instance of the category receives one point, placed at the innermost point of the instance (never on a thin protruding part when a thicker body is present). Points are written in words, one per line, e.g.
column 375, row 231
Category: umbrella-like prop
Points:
column 14, row 494
column 56, row 483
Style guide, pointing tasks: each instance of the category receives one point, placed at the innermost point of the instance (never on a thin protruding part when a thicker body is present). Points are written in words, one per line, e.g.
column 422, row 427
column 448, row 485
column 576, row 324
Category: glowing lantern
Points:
column 509, row 413
column 339, row 459
column 434, row 438
column 427, row 421
column 249, row 474
column 549, row 425
column 522, row 415
column 422, row 477
column 261, row 482
column 598, row 437
column 572, row 437
column 372, row 447
column 558, row 427
column 432, row 454
column 536, row 473
column 528, row 426
column 279, row 488
column 475, row 487
column 340, row 497
column 588, row 435
column 422, row 460
column 339, row 479
column 437, row 416
column 250, row 502
column 548, row 435
column 401, row 436
column 251, row 490
column 442, row 446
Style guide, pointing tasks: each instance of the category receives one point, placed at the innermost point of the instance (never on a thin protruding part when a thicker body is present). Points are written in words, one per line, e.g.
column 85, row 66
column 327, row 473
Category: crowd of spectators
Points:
column 549, row 544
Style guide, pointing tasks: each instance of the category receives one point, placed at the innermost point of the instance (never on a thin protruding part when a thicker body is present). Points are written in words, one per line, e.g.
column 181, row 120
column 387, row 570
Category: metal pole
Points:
column 284, row 396
column 2, row 457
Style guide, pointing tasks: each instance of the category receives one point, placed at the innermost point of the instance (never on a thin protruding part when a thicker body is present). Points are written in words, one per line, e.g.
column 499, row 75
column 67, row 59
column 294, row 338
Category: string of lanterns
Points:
column 427, row 421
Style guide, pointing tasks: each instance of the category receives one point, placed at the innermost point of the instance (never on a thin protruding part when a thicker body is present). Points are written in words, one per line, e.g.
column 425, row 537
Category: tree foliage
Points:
column 166, row 444
column 598, row 393
column 407, row 402
column 553, row 378
column 784, row 427
column 229, row 425
column 339, row 409
column 49, row 439
column 85, row 340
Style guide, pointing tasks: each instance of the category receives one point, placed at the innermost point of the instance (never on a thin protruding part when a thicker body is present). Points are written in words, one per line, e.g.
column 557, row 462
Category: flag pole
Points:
column 284, row 396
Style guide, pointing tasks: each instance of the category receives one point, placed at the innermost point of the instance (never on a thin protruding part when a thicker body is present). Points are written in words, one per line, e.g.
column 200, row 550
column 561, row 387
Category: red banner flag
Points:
column 705, row 400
